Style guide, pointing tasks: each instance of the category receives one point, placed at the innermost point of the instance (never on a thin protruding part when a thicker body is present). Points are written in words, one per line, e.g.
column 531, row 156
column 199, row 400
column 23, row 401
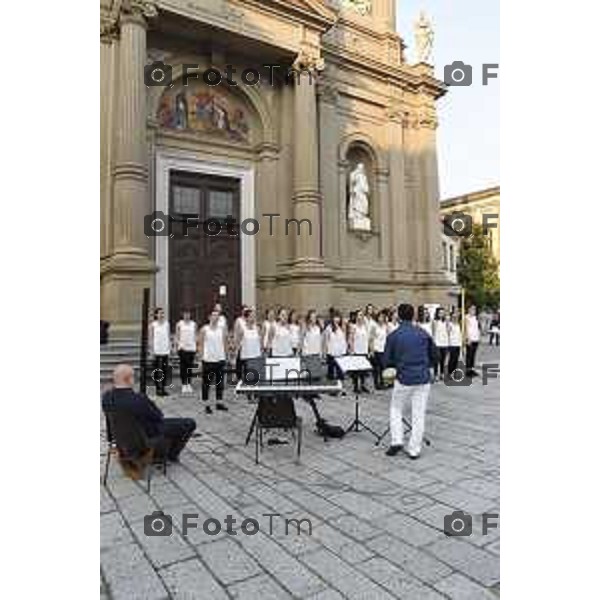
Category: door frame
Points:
column 167, row 160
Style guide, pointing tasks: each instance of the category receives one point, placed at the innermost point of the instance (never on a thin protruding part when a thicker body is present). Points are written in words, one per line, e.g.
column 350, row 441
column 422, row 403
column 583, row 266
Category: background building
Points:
column 478, row 204
column 250, row 150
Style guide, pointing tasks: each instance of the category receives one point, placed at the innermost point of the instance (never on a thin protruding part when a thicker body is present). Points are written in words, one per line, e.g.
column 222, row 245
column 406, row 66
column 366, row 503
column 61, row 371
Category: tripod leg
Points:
column 380, row 438
column 249, row 436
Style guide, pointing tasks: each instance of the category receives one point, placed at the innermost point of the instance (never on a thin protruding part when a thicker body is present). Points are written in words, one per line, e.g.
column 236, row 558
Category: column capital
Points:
column 138, row 11
column 109, row 29
column 268, row 151
column 309, row 58
column 395, row 113
column 421, row 120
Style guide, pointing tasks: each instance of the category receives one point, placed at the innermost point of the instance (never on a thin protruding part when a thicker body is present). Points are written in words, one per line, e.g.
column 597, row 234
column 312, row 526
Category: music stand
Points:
column 356, row 365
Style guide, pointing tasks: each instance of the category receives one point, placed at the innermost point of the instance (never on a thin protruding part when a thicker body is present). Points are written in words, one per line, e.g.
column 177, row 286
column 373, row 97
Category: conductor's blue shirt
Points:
column 411, row 351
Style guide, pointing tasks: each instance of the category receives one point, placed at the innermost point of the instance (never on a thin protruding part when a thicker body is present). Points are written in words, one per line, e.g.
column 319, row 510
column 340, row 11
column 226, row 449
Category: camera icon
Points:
column 157, row 224
column 458, row 224
column 458, row 377
column 212, row 378
column 458, row 524
column 158, row 524
column 162, row 377
column 158, row 74
column 458, row 73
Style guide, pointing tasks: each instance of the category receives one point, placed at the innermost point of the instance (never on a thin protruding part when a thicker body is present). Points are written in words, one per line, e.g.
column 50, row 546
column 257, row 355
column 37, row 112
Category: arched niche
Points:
column 236, row 114
column 358, row 152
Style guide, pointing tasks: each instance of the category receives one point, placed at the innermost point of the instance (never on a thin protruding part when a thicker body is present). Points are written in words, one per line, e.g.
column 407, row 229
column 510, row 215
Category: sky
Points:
column 469, row 117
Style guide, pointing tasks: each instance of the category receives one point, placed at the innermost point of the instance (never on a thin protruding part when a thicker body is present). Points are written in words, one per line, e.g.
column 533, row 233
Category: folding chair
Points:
column 127, row 438
column 277, row 412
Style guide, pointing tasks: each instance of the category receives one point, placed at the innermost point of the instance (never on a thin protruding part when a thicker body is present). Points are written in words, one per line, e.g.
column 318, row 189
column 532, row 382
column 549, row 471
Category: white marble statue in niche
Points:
column 358, row 206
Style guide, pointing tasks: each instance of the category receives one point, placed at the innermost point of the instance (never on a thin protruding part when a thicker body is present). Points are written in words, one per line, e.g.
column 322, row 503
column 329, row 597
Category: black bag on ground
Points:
column 330, row 431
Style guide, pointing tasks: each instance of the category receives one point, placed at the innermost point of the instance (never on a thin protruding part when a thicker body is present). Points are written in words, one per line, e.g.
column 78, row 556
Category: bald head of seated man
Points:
column 122, row 397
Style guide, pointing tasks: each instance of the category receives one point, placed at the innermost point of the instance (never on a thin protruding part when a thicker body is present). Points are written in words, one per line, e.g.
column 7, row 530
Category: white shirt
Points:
column 250, row 346
column 472, row 329
column 336, row 342
column 440, row 333
column 222, row 322
column 161, row 338
column 295, row 333
column 391, row 327
column 187, row 336
column 213, row 349
column 361, row 339
column 266, row 329
column 312, row 341
column 282, row 341
column 239, row 325
column 379, row 334
column 371, row 324
column 455, row 337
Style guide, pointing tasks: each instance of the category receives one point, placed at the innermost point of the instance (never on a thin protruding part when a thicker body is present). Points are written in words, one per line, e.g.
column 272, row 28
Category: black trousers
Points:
column 442, row 354
column 161, row 372
column 333, row 371
column 495, row 335
column 177, row 431
column 453, row 354
column 377, row 362
column 471, row 352
column 239, row 367
column 186, row 364
column 212, row 376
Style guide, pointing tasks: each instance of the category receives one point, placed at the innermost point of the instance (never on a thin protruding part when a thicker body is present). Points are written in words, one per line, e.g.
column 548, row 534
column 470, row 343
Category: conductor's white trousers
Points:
column 418, row 396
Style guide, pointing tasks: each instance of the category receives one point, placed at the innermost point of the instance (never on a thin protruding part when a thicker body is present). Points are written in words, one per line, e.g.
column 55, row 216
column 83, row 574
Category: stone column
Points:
column 131, row 168
column 430, row 182
column 108, row 49
column 129, row 269
column 398, row 208
column 266, row 183
column 306, row 196
column 328, row 155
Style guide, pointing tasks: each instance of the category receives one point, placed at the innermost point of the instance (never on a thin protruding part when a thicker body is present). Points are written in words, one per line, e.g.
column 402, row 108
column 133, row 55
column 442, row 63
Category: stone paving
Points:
column 377, row 522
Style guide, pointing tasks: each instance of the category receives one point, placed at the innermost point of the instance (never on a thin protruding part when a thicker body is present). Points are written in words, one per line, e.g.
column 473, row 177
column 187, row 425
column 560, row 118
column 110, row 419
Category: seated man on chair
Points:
column 122, row 397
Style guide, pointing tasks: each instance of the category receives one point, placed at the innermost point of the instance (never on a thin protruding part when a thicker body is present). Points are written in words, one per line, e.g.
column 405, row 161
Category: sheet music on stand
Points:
column 353, row 363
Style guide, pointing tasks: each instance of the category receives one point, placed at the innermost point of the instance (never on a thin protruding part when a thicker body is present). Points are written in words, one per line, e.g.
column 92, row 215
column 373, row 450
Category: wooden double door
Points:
column 204, row 268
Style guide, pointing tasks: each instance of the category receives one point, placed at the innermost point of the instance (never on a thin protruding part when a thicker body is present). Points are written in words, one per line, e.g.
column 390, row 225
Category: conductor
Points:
column 411, row 352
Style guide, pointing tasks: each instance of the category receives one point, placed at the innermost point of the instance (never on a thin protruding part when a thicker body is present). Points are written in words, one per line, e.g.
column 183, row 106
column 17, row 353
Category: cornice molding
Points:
column 312, row 13
column 398, row 74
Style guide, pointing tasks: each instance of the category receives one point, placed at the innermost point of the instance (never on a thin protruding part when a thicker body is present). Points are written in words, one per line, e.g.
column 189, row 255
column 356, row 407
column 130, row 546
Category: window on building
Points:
column 452, row 259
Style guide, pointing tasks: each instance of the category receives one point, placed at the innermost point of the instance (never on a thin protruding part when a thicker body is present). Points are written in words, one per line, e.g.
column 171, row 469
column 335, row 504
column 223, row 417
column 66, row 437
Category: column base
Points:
column 123, row 278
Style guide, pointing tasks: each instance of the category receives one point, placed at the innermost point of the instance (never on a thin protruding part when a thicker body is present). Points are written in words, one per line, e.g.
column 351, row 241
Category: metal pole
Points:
column 462, row 317
column 144, row 344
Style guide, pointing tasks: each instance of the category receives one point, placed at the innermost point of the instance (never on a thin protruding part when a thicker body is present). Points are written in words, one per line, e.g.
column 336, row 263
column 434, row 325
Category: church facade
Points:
column 326, row 162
